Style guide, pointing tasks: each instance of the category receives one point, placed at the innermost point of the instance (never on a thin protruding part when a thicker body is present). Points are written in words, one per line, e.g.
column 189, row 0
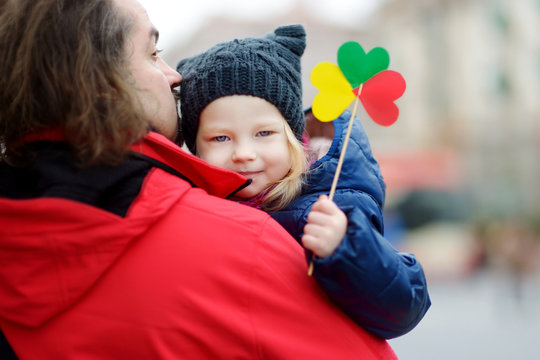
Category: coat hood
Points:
column 360, row 170
column 53, row 250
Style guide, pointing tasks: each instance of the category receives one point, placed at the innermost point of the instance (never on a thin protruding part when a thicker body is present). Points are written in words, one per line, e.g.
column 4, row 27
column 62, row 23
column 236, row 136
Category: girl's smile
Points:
column 245, row 134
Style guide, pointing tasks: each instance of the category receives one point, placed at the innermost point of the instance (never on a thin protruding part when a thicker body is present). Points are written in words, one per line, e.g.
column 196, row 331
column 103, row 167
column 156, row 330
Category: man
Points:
column 110, row 245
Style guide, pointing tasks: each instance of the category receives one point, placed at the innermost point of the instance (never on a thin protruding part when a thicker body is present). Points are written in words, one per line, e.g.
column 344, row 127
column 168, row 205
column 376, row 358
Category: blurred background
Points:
column 461, row 163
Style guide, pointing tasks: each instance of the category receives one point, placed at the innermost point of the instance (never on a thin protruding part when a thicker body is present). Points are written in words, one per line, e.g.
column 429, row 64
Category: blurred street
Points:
column 485, row 316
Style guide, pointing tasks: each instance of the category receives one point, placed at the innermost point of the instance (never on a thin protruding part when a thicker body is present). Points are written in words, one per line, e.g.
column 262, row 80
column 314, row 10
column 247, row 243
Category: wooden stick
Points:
column 343, row 151
column 340, row 164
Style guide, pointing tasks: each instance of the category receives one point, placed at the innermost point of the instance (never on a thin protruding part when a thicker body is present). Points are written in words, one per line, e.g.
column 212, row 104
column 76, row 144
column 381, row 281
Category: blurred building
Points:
column 470, row 117
column 473, row 73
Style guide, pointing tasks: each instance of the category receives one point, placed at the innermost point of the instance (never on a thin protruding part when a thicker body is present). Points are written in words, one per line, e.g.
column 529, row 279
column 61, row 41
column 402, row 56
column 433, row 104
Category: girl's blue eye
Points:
column 221, row 138
column 264, row 133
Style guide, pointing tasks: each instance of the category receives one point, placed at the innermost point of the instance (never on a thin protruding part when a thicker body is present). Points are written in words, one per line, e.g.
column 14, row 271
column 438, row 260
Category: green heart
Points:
column 357, row 66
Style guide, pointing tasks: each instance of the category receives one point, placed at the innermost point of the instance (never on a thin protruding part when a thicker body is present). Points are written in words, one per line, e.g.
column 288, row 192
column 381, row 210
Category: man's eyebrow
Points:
column 154, row 33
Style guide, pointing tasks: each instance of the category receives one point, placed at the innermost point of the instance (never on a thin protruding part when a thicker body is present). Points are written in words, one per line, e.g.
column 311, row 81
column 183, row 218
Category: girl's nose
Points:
column 243, row 153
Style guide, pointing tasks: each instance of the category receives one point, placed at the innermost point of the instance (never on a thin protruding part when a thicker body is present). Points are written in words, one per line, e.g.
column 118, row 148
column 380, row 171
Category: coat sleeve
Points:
column 380, row 288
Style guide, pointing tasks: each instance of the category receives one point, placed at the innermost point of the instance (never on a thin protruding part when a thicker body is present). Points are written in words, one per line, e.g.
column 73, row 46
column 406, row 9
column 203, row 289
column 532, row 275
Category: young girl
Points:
column 241, row 105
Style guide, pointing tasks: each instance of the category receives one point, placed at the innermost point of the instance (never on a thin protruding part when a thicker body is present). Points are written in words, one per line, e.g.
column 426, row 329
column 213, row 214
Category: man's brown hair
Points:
column 64, row 64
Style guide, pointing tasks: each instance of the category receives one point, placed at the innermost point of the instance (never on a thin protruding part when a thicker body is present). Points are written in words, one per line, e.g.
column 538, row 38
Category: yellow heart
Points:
column 335, row 92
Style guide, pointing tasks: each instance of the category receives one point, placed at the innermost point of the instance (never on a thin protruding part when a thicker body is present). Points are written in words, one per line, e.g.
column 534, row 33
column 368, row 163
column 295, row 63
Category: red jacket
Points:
column 183, row 275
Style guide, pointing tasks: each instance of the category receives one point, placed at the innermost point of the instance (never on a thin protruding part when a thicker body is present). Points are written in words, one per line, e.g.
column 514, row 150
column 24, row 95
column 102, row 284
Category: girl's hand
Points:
column 326, row 226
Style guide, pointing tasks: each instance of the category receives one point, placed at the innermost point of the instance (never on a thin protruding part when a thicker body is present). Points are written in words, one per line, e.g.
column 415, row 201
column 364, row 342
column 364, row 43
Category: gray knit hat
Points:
column 267, row 67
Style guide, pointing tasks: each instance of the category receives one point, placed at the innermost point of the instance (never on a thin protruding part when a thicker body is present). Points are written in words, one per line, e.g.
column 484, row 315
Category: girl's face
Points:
column 245, row 134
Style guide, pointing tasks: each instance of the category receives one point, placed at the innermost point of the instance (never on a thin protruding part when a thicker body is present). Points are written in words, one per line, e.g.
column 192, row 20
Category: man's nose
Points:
column 172, row 75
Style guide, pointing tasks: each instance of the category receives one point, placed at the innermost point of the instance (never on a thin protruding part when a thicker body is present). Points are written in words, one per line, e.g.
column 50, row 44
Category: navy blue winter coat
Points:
column 381, row 289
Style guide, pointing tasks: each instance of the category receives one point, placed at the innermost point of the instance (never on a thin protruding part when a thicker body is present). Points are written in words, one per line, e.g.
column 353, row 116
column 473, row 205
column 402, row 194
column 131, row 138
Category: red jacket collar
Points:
column 53, row 134
column 214, row 180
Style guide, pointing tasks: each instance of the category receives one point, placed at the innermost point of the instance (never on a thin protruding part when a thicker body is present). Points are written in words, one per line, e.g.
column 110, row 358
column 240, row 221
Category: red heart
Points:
column 378, row 95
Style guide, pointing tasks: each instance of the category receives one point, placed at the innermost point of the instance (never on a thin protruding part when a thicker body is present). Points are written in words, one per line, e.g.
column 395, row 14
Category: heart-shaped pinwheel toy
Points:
column 358, row 76
column 365, row 76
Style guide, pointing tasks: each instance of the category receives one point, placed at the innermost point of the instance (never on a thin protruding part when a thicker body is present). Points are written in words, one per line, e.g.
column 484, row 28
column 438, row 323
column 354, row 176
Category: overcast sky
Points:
column 178, row 19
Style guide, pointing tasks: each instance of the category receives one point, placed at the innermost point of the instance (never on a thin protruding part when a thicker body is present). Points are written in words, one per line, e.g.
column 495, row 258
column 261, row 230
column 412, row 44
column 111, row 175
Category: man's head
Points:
column 78, row 65
column 153, row 78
